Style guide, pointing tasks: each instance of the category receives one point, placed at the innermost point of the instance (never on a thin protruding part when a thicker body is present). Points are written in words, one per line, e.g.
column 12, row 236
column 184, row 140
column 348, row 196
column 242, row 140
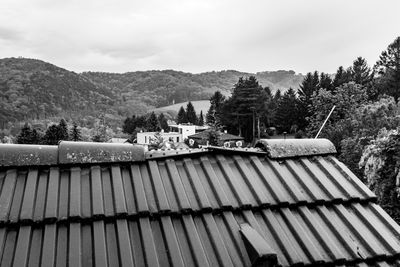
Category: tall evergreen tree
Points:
column 75, row 134
column 201, row 119
column 342, row 76
column 51, row 137
column 325, row 82
column 360, row 72
column 163, row 122
column 28, row 135
column 62, row 130
column 310, row 85
column 191, row 113
column 129, row 125
column 245, row 107
column 388, row 67
column 152, row 124
column 181, row 118
column 287, row 115
column 213, row 115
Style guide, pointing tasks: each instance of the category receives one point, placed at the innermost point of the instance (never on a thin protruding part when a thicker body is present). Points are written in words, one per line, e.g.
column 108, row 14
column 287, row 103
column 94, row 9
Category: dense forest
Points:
column 41, row 93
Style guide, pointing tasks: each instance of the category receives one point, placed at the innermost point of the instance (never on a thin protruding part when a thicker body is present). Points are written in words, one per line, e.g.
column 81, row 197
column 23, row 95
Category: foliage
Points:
column 287, row 115
column 388, row 68
column 213, row 137
column 381, row 163
column 191, row 113
column 213, row 116
column 366, row 122
column 360, row 72
column 201, row 119
column 163, row 122
column 342, row 76
column 152, row 123
column 28, row 135
column 181, row 117
column 55, row 133
column 347, row 98
column 75, row 134
column 156, row 141
column 245, row 106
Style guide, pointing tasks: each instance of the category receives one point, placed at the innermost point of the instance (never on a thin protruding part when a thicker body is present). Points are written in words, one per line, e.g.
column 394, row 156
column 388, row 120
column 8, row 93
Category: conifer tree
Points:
column 28, row 135
column 342, row 76
column 62, row 130
column 181, row 118
column 213, row 115
column 75, row 134
column 287, row 115
column 51, row 137
column 360, row 72
column 163, row 122
column 325, row 82
column 201, row 119
column 152, row 124
column 191, row 113
column 388, row 67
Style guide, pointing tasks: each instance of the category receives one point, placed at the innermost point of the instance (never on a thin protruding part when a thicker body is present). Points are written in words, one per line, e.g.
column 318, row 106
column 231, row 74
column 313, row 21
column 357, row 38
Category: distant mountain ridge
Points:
column 31, row 88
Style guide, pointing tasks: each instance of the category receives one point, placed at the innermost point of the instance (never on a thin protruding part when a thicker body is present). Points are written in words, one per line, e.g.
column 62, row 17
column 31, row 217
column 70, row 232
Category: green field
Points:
column 172, row 110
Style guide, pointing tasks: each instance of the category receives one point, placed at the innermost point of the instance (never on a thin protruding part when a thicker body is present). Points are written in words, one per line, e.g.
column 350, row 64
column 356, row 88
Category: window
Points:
column 177, row 139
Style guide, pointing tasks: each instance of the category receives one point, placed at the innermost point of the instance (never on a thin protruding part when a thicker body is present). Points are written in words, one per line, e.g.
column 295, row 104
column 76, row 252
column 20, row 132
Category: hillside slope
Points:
column 34, row 89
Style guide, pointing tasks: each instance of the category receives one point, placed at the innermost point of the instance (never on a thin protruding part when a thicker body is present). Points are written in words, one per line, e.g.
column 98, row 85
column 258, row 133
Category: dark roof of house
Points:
column 95, row 204
column 222, row 136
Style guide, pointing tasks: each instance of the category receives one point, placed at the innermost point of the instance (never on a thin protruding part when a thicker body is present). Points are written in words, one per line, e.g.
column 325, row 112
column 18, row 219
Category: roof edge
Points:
column 68, row 152
column 24, row 155
column 289, row 148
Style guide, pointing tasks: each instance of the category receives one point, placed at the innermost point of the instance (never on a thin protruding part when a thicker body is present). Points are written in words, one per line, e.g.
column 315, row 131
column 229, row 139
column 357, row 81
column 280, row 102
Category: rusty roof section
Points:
column 289, row 148
column 69, row 153
column 27, row 155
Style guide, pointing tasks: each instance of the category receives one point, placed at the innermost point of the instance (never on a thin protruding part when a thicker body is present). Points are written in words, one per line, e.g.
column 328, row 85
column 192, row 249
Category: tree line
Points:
column 364, row 126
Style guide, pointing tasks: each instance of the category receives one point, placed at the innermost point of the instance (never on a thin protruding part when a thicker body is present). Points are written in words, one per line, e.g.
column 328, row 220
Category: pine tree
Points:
column 287, row 116
column 201, row 119
column 191, row 113
column 342, row 76
column 152, row 124
column 62, row 130
column 51, row 137
column 309, row 86
column 28, row 136
column 214, row 112
column 245, row 107
column 75, row 133
column 181, row 118
column 325, row 82
column 163, row 122
column 388, row 67
column 360, row 72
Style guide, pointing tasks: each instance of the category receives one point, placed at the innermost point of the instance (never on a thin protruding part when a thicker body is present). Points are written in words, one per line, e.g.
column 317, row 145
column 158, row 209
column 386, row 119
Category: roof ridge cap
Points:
column 69, row 152
column 289, row 148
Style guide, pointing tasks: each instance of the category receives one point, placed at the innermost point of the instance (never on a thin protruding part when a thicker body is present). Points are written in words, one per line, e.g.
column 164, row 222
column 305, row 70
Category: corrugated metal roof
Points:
column 190, row 211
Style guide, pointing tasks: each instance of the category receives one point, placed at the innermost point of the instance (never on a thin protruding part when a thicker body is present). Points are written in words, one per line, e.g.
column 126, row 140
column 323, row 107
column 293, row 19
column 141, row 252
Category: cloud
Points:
column 189, row 35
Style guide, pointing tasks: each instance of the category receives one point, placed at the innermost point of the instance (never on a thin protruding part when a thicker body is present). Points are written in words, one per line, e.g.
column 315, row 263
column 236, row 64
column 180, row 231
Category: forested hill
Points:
column 31, row 88
column 161, row 88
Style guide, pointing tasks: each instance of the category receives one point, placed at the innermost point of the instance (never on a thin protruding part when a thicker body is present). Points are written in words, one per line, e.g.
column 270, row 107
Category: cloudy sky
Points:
column 198, row 36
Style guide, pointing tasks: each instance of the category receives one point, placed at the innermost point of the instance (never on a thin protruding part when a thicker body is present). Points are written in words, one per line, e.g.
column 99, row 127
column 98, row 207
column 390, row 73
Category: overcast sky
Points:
column 198, row 36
